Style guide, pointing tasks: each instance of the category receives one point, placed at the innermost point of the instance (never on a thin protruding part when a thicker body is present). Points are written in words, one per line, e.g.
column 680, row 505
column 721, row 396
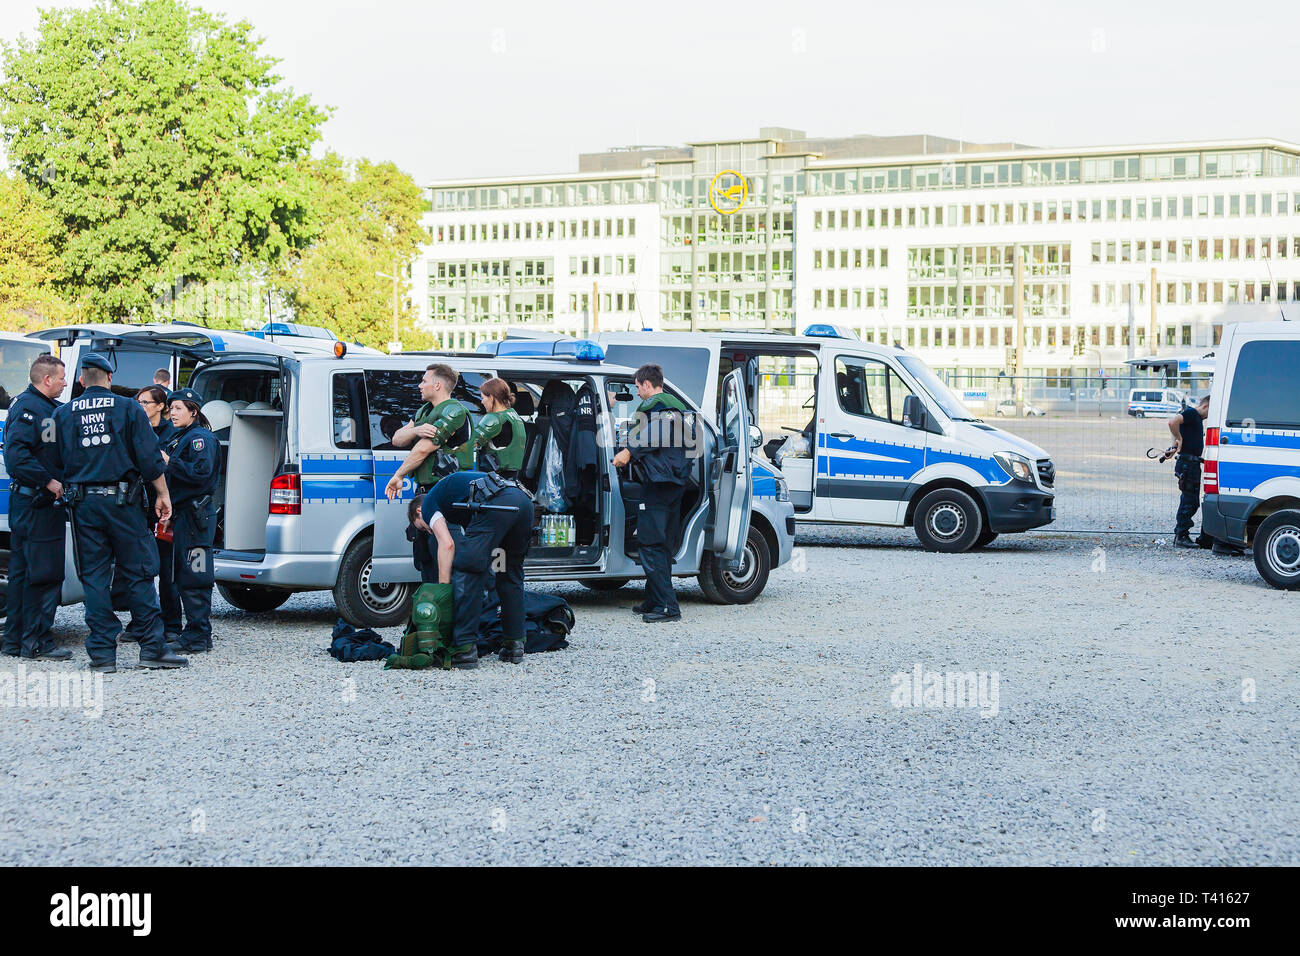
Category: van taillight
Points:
column 1211, row 477
column 1211, row 436
column 286, row 495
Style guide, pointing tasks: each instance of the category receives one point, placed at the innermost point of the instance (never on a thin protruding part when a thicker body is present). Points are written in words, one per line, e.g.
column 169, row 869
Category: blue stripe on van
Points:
column 337, row 488
column 764, row 482
column 1258, row 439
column 320, row 465
column 1246, row 474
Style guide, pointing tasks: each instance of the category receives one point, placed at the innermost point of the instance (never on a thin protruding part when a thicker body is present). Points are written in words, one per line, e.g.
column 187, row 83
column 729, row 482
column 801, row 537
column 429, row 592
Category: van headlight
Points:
column 782, row 489
column 1017, row 466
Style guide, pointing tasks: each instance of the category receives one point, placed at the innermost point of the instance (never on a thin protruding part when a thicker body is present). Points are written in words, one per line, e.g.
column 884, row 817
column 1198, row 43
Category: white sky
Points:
column 499, row 88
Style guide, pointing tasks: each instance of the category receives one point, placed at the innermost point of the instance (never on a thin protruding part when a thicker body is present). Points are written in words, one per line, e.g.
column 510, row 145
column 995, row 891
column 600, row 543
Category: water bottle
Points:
column 570, row 532
column 548, row 531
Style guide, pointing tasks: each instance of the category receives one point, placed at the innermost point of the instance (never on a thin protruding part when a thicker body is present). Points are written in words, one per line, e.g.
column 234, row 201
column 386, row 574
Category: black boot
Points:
column 512, row 652
column 1227, row 550
column 51, row 654
column 660, row 614
column 164, row 661
column 104, row 667
column 1185, row 541
column 465, row 657
column 645, row 607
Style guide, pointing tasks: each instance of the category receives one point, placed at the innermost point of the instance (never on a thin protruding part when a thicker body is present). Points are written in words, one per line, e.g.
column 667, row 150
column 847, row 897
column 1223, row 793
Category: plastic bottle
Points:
column 570, row 532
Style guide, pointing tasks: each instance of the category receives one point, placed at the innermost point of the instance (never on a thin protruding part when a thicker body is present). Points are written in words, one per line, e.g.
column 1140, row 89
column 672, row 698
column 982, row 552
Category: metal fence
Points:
column 1104, row 481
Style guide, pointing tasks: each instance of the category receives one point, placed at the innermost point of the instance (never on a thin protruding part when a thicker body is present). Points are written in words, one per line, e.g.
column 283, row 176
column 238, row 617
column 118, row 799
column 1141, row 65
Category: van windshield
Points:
column 943, row 396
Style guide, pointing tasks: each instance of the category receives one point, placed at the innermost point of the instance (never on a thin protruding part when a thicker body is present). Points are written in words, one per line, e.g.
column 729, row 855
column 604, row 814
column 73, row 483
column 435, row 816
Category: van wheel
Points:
column 948, row 520
column 1277, row 550
column 603, row 584
column 256, row 600
column 366, row 603
column 1139, row 414
column 721, row 585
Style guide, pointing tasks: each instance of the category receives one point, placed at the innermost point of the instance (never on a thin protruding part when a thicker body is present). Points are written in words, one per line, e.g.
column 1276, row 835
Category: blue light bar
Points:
column 582, row 349
column 826, row 331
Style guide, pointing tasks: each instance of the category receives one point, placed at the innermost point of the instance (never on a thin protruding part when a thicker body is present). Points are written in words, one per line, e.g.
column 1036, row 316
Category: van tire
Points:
column 360, row 604
column 948, row 520
column 603, row 584
column 1139, row 414
column 723, row 586
column 254, row 599
column 1277, row 550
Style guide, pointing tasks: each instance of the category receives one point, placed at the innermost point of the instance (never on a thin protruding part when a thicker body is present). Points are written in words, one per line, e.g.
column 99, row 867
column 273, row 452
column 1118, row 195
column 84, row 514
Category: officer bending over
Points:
column 1188, row 429
column 433, row 547
column 656, row 442
column 499, row 437
column 191, row 458
column 107, row 451
column 494, row 540
column 36, row 526
column 440, row 423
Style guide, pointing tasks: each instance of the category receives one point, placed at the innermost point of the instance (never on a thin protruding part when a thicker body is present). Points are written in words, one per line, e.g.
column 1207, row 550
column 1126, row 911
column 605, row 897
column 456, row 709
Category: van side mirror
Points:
column 914, row 415
column 755, row 436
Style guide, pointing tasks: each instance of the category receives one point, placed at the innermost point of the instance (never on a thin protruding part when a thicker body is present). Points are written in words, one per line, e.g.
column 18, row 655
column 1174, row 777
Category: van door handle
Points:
column 843, row 435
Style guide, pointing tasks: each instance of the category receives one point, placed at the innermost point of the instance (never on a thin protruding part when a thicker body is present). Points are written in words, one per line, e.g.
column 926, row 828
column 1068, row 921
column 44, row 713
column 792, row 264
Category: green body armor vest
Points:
column 500, row 436
column 454, row 452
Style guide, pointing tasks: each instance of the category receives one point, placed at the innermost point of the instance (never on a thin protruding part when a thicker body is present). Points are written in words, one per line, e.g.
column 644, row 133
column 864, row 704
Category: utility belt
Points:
column 17, row 489
column 1195, row 458
column 481, row 491
column 129, row 491
column 41, row 497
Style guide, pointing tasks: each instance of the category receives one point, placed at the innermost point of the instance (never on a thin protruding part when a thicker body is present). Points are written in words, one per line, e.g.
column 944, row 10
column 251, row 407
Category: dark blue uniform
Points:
column 1187, row 468
column 105, row 443
column 188, row 578
column 36, row 527
column 485, row 532
column 170, row 605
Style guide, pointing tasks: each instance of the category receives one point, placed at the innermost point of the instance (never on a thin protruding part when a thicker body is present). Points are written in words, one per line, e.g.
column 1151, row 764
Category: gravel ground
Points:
column 767, row 736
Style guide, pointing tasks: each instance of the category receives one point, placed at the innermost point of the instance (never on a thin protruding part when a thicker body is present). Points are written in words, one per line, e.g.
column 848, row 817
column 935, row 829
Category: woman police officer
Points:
column 192, row 478
column 499, row 437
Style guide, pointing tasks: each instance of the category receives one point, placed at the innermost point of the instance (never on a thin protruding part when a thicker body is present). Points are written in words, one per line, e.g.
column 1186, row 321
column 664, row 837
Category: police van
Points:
column 860, row 433
column 1252, row 448
column 1154, row 401
column 306, row 452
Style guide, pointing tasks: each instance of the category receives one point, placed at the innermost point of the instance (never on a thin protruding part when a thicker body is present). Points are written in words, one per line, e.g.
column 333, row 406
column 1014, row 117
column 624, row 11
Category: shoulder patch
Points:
column 198, row 444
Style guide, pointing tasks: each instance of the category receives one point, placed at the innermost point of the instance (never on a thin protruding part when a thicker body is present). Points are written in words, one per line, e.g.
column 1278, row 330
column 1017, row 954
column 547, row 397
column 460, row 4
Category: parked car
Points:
column 1008, row 407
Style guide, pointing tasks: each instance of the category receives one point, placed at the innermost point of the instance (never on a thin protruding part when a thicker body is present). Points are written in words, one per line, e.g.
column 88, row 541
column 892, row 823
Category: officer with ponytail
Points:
column 499, row 437
column 192, row 479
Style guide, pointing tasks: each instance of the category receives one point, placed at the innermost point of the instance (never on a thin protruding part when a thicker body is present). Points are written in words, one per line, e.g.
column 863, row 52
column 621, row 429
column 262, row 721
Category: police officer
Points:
column 507, row 525
column 153, row 399
column 107, row 452
column 499, row 437
column 441, row 423
column 191, row 457
column 1188, row 429
column 36, row 526
column 656, row 444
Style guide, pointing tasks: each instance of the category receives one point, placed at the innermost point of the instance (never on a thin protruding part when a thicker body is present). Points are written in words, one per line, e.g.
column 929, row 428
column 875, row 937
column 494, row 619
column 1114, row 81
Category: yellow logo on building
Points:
column 728, row 192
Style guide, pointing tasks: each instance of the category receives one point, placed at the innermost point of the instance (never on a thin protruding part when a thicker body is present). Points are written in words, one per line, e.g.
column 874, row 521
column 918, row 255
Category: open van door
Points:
column 732, row 491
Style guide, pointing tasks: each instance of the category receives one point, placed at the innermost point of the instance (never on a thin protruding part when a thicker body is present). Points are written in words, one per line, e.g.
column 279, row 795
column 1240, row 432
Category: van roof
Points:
column 748, row 337
column 479, row 360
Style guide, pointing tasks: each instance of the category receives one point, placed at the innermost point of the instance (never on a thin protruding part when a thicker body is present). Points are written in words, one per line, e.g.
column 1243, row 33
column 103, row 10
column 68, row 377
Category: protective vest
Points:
column 499, row 438
column 454, row 452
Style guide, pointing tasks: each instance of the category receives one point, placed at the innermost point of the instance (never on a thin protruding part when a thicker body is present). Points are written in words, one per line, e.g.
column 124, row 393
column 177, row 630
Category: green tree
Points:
column 366, row 218
column 164, row 143
column 29, row 267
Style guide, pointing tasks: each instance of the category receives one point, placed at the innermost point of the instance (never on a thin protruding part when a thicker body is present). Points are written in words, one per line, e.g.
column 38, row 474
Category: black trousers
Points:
column 109, row 534
column 187, row 580
column 1188, row 474
column 658, row 533
column 495, row 543
column 36, row 550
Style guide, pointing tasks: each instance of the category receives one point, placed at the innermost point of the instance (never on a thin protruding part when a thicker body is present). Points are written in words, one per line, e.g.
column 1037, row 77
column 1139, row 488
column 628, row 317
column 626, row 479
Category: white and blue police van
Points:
column 1154, row 401
column 859, row 433
column 306, row 453
column 1252, row 448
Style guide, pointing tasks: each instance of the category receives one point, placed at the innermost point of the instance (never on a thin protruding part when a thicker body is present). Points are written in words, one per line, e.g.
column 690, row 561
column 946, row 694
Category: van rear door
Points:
column 732, row 491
